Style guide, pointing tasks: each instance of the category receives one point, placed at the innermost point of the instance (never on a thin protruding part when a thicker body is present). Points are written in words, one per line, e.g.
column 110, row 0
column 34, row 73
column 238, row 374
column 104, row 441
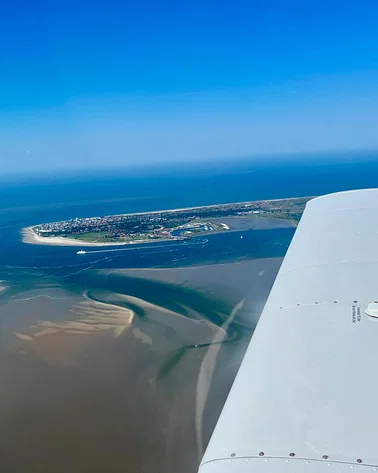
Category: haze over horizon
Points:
column 112, row 84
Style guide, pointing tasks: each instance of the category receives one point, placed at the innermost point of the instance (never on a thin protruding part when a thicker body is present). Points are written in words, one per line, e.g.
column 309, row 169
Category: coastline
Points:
column 30, row 237
column 152, row 212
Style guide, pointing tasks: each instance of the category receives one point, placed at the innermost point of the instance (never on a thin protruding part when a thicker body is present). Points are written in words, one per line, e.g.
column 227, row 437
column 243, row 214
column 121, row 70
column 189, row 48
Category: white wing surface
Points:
column 306, row 395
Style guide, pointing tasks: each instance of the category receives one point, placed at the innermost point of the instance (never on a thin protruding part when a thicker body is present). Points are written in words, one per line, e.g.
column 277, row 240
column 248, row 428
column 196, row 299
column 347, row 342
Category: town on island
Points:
column 178, row 224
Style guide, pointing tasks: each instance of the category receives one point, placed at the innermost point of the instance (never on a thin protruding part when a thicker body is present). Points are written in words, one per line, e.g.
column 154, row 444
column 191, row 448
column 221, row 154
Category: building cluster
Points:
column 161, row 224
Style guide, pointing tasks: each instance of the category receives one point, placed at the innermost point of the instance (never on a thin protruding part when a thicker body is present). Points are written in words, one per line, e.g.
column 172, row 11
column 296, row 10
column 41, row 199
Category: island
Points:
column 163, row 225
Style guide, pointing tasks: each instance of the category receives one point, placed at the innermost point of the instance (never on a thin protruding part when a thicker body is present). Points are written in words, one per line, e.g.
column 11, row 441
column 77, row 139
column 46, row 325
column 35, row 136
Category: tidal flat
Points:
column 126, row 369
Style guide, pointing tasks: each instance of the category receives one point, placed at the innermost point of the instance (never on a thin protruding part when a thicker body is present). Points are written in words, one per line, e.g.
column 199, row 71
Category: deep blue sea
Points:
column 30, row 200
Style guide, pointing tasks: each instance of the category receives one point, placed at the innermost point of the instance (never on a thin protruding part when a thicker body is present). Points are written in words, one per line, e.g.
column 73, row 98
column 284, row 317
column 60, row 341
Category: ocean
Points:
column 28, row 201
column 114, row 360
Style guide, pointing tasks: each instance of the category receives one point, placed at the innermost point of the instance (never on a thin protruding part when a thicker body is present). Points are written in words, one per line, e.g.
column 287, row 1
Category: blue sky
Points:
column 86, row 84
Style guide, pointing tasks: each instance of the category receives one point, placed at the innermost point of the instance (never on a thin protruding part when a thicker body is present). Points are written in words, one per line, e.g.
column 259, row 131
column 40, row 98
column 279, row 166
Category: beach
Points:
column 29, row 236
column 232, row 224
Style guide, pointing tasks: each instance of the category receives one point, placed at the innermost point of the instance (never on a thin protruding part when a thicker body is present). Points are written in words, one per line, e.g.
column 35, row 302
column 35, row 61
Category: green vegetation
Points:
column 105, row 237
column 92, row 236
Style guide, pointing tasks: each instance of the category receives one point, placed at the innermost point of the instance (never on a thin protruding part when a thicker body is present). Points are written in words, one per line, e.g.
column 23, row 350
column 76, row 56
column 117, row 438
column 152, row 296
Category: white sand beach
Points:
column 30, row 237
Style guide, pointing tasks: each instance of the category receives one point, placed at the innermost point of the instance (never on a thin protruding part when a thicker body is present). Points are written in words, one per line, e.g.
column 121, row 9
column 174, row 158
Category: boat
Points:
column 81, row 252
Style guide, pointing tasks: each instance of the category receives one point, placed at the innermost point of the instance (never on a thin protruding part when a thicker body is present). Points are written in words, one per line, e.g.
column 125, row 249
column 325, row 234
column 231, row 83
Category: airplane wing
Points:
column 306, row 396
